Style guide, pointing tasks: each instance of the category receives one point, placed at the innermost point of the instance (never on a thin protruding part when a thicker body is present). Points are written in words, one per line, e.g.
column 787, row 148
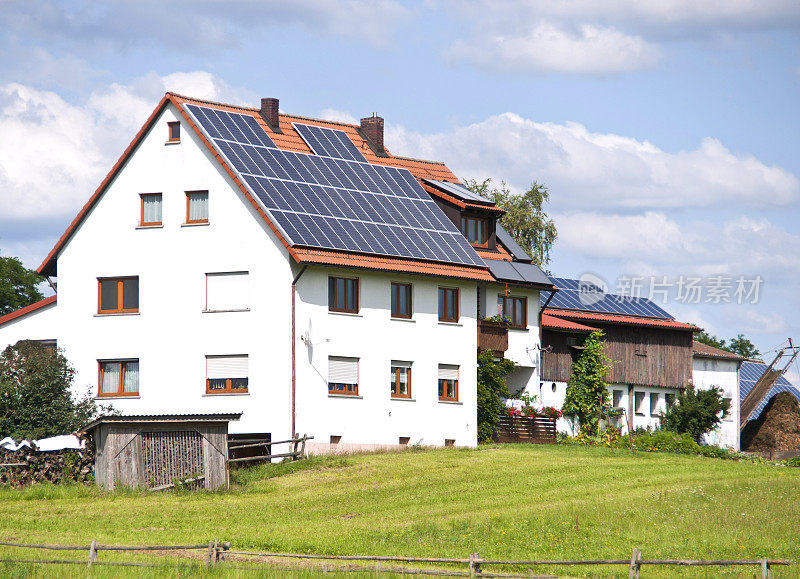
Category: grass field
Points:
column 506, row 502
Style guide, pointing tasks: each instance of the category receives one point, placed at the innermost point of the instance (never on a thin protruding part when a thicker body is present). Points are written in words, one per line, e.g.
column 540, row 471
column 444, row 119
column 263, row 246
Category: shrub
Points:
column 491, row 390
column 587, row 393
column 695, row 412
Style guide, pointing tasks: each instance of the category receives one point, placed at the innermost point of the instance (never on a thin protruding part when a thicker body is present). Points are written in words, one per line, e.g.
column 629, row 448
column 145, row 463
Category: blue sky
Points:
column 667, row 132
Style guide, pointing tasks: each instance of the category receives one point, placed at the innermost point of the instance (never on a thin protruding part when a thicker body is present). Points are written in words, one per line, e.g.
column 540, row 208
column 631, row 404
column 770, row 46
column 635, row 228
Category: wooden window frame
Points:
column 195, row 221
column 142, row 222
column 331, row 303
column 410, row 301
column 120, row 308
column 333, row 391
column 523, row 301
column 396, row 373
column 228, row 386
column 119, row 393
column 443, row 395
column 170, row 137
column 456, row 305
column 464, row 229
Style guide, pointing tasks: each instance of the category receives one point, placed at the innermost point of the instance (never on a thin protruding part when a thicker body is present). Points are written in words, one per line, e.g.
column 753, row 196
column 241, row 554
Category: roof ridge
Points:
column 428, row 161
column 210, row 102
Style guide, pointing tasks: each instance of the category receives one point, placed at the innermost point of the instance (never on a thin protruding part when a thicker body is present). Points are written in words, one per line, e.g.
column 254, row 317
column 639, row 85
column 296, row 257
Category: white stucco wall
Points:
column 724, row 374
column 376, row 339
column 40, row 324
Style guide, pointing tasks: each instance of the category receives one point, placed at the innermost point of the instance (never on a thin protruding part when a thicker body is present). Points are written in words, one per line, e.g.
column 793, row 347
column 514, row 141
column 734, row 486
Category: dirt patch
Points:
column 349, row 515
column 778, row 427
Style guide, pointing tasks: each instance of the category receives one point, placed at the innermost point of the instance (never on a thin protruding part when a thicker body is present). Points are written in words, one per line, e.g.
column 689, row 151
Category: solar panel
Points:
column 574, row 295
column 329, row 142
column 459, row 191
column 749, row 373
column 336, row 203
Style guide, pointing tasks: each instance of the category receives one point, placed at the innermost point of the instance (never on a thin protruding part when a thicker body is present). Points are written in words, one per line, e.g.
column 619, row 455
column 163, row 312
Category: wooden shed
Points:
column 156, row 450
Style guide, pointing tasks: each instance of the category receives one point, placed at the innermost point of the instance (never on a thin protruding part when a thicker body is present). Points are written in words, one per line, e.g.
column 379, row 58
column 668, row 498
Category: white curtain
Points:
column 110, row 377
column 151, row 208
column 198, row 206
column 131, row 383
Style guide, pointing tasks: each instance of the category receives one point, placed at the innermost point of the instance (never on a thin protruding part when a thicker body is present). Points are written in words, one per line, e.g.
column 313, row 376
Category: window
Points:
column 448, row 304
column 475, row 230
column 638, row 398
column 448, row 382
column 197, row 207
column 343, row 295
column 173, row 132
column 654, row 398
column 151, row 209
column 226, row 374
column 401, row 300
column 400, row 379
column 617, row 398
column 119, row 378
column 117, row 295
column 669, row 399
column 342, row 376
column 515, row 309
column 227, row 292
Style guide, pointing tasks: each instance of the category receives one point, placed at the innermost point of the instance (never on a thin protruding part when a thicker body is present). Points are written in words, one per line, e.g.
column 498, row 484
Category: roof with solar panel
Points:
column 749, row 373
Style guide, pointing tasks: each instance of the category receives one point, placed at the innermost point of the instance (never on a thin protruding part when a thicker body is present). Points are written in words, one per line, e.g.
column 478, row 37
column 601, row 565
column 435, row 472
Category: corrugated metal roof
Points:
column 217, row 417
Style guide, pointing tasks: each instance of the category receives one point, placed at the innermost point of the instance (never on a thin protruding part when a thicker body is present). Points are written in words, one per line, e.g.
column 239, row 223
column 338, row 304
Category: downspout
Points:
column 294, row 346
column 541, row 313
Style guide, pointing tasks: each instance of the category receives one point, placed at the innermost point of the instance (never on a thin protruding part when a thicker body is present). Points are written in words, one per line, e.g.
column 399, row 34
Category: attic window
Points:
column 173, row 132
column 475, row 230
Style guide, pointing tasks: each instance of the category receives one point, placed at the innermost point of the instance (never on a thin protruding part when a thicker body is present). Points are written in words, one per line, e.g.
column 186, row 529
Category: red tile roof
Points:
column 555, row 323
column 27, row 309
column 702, row 350
column 288, row 139
column 620, row 319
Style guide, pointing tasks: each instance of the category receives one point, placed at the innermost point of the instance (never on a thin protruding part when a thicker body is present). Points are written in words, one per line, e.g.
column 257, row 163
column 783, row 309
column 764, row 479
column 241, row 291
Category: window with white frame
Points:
column 227, row 374
column 448, row 383
column 655, row 398
column 639, row 401
column 228, row 291
column 342, row 376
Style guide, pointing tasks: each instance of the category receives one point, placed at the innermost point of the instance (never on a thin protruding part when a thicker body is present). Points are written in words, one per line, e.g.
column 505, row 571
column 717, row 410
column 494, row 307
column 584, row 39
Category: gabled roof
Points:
column 624, row 320
column 27, row 310
column 290, row 140
column 701, row 350
column 555, row 323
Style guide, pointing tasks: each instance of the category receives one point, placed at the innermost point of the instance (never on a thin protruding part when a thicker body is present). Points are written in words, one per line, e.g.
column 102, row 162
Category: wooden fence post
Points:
column 210, row 553
column 474, row 564
column 633, row 571
column 766, row 573
column 92, row 554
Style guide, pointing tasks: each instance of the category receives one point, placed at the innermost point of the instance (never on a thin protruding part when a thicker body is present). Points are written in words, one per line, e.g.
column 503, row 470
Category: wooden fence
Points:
column 537, row 430
column 217, row 552
column 246, row 450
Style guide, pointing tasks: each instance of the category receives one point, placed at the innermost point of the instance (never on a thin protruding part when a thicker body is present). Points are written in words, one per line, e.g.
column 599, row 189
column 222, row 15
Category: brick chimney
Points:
column 269, row 112
column 372, row 131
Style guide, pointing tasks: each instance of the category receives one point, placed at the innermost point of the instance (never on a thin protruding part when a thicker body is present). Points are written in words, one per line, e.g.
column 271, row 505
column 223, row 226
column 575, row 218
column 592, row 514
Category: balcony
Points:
column 492, row 336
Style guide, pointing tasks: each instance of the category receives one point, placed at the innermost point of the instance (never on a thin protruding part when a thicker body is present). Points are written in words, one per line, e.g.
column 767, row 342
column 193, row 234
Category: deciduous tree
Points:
column 17, row 285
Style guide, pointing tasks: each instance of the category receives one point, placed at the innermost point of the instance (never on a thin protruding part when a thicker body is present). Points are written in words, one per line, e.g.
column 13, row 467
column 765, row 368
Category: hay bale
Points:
column 778, row 427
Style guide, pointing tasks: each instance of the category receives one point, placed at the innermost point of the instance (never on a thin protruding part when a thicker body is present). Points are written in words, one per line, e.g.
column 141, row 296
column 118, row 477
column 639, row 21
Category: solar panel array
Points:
column 333, row 203
column 329, row 142
column 749, row 373
column 233, row 127
column 580, row 296
column 458, row 190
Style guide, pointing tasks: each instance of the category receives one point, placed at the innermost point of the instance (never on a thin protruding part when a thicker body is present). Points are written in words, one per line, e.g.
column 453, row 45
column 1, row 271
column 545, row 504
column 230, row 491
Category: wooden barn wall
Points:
column 643, row 356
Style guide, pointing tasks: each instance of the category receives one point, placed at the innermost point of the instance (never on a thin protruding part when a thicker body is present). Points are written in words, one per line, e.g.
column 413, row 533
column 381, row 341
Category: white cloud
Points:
column 54, row 154
column 589, row 36
column 338, row 115
column 588, row 170
column 549, row 47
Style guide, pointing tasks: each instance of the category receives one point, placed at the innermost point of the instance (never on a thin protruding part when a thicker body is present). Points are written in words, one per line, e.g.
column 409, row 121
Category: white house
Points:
column 241, row 260
column 712, row 367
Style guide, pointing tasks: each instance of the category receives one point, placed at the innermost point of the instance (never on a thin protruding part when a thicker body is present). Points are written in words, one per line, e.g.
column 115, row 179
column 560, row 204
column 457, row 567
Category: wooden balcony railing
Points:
column 538, row 429
column 492, row 336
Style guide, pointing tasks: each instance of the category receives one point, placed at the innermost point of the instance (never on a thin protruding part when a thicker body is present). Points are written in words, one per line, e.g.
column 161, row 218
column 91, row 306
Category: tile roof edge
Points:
column 24, row 311
column 625, row 319
column 427, row 161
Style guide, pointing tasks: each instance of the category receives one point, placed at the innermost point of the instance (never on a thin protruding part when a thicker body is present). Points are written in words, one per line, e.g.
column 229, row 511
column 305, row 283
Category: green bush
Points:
column 696, row 412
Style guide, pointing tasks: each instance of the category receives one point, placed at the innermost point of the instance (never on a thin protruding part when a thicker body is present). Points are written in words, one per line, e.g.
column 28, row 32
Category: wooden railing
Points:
column 262, row 449
column 492, row 336
column 537, row 430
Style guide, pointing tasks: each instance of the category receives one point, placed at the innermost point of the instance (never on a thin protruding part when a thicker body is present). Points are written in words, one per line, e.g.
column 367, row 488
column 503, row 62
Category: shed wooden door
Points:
column 169, row 455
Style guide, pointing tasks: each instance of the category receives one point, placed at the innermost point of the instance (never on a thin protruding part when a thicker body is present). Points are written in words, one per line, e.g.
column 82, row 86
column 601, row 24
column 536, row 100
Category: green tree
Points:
column 525, row 218
column 491, row 389
column 587, row 392
column 696, row 412
column 35, row 397
column 17, row 285
column 738, row 345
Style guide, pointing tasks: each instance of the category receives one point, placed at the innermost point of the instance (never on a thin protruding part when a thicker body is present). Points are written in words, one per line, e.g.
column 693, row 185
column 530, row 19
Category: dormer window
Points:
column 173, row 132
column 476, row 230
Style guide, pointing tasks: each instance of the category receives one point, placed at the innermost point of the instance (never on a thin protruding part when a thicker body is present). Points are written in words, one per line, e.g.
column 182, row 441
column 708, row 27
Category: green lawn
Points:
column 506, row 502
